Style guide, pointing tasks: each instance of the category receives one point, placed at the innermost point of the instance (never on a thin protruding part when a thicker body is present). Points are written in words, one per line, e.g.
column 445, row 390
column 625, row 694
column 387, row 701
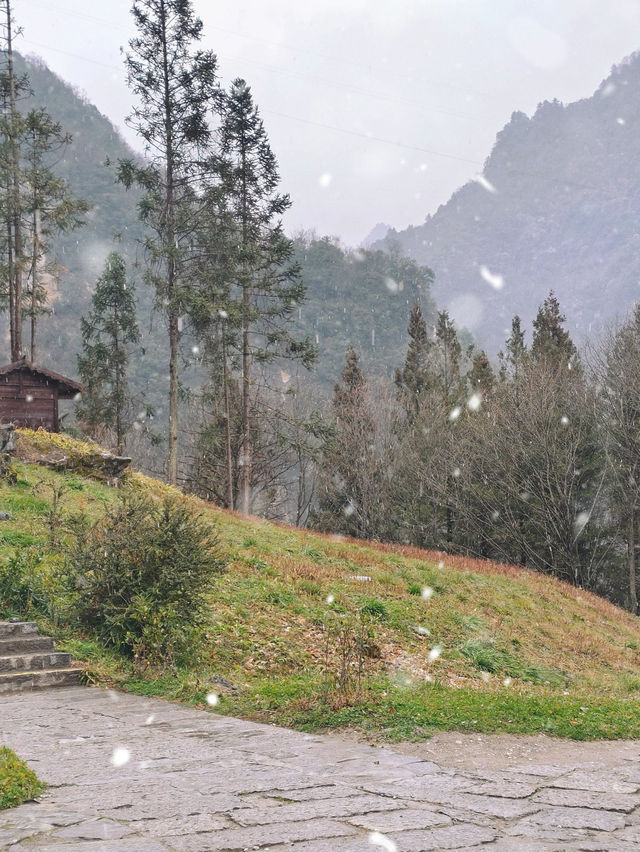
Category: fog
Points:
column 377, row 113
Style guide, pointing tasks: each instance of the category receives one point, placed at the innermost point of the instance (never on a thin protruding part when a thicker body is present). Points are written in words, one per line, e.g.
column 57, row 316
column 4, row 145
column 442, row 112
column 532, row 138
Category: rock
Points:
column 97, row 465
column 5, row 516
column 7, row 438
column 223, row 684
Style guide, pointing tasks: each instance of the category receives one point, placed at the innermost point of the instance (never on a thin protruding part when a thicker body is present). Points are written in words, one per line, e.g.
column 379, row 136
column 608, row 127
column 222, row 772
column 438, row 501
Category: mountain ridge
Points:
column 556, row 208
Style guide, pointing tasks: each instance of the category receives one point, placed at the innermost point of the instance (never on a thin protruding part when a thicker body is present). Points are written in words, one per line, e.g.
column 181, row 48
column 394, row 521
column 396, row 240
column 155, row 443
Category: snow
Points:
column 494, row 279
column 486, row 184
column 120, row 756
column 378, row 839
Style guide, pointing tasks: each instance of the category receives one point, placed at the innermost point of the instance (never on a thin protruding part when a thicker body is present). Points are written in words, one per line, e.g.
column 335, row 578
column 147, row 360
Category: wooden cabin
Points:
column 29, row 395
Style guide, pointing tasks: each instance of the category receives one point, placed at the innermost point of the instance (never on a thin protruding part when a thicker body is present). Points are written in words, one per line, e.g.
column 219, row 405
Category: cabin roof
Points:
column 67, row 388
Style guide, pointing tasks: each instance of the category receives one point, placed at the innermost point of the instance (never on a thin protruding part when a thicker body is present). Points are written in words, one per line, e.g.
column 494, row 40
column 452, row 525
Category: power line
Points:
column 282, row 45
column 370, row 137
column 291, row 117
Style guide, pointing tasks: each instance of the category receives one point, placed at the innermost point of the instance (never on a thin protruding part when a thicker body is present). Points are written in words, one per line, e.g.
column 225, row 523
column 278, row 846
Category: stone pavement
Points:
column 131, row 774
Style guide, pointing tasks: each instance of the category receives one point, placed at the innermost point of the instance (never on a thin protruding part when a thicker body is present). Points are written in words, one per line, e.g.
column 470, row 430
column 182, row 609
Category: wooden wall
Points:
column 29, row 400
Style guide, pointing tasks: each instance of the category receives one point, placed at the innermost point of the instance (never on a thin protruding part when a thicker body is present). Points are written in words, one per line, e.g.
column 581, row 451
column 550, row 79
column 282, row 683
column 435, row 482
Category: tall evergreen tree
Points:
column 35, row 203
column 448, row 354
column 107, row 335
column 265, row 283
column 416, row 376
column 351, row 498
column 481, row 377
column 176, row 90
column 551, row 341
column 48, row 205
column 10, row 132
column 619, row 411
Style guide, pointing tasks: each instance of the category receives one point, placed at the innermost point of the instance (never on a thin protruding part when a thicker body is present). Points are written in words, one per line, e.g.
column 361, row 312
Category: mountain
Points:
column 557, row 208
column 377, row 233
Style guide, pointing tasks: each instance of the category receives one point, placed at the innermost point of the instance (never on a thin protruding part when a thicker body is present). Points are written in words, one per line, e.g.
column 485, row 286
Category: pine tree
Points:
column 175, row 84
column 10, row 130
column 448, row 353
column 352, row 482
column 619, row 411
column 48, row 205
column 265, row 283
column 481, row 377
column 107, row 335
column 416, row 376
column 35, row 203
column 551, row 342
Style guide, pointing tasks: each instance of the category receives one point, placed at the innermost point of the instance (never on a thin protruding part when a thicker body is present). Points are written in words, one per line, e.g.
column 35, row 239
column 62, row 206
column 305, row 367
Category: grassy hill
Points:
column 316, row 631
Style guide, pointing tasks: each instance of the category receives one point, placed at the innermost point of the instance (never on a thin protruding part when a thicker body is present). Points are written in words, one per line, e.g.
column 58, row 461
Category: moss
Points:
column 18, row 783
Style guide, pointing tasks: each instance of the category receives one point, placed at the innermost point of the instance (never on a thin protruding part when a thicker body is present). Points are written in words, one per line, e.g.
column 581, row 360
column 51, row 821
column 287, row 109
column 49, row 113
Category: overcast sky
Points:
column 376, row 110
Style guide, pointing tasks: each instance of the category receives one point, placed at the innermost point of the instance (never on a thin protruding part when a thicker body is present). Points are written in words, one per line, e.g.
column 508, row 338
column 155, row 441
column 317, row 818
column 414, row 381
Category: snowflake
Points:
column 378, row 839
column 434, row 653
column 120, row 756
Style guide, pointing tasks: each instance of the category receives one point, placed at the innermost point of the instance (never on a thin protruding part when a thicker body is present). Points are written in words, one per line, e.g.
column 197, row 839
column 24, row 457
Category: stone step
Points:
column 35, row 662
column 24, row 644
column 43, row 679
column 18, row 628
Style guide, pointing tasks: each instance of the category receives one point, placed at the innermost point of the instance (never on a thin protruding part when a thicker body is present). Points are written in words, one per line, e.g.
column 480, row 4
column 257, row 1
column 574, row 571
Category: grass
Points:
column 18, row 783
column 451, row 643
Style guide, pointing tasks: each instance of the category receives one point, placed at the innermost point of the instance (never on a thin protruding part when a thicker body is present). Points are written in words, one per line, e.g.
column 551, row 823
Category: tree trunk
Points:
column 172, row 461
column 246, row 364
column 227, row 417
column 172, row 464
column 246, row 432
column 34, row 282
column 631, row 561
column 15, row 228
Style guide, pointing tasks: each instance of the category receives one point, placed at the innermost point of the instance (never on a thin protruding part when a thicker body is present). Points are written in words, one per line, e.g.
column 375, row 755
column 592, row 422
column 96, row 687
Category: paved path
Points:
column 197, row 781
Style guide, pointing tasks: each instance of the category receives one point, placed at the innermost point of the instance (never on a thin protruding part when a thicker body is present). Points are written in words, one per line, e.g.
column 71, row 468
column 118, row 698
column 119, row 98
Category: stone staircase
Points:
column 29, row 661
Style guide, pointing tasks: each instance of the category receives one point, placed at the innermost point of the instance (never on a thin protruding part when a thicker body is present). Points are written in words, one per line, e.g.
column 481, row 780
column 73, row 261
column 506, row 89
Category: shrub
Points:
column 22, row 586
column 17, row 782
column 374, row 608
column 139, row 577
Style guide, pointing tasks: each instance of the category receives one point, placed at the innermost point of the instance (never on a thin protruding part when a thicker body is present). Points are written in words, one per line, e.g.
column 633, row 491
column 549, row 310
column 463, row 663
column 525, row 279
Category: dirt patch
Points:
column 499, row 751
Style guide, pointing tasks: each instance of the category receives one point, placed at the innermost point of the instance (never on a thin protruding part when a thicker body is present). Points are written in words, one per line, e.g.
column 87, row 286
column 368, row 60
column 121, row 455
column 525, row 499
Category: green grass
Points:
column 491, row 649
column 18, row 783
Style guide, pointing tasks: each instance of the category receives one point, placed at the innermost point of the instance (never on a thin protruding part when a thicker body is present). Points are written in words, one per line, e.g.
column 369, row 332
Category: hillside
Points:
column 560, row 211
column 316, row 631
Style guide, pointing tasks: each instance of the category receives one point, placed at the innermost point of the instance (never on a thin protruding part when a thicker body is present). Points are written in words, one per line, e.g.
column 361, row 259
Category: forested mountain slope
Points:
column 561, row 211
column 362, row 297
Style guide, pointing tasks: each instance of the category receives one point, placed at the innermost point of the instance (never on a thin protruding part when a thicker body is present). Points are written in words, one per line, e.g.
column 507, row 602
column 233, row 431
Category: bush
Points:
column 139, row 578
column 374, row 608
column 22, row 586
column 17, row 782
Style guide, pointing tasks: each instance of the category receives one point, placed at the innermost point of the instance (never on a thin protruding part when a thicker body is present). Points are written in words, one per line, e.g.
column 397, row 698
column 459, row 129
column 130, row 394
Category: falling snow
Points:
column 381, row 840
column 474, row 402
column 120, row 756
column 494, row 279
column 486, row 184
